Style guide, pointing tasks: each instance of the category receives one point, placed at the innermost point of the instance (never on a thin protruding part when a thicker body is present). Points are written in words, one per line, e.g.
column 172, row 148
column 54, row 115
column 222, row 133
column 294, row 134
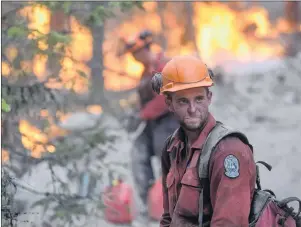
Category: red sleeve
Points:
column 231, row 196
column 154, row 108
column 165, row 164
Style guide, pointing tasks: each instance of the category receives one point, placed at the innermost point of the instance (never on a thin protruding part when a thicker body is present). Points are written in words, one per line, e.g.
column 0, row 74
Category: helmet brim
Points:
column 173, row 87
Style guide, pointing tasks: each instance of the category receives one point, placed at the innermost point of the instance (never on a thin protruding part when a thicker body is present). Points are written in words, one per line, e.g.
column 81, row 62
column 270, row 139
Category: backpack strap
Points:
column 258, row 184
column 219, row 132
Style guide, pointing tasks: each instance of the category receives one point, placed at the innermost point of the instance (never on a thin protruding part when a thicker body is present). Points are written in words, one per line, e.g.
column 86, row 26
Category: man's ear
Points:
column 209, row 96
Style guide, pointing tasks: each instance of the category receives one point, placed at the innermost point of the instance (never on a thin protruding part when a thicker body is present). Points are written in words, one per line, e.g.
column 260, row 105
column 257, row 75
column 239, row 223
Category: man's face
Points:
column 142, row 56
column 191, row 107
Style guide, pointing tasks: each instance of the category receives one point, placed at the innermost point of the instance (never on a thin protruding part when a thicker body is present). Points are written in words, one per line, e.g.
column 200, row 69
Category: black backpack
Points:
column 261, row 198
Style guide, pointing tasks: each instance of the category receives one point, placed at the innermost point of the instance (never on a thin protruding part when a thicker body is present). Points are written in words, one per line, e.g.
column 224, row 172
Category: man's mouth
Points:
column 192, row 119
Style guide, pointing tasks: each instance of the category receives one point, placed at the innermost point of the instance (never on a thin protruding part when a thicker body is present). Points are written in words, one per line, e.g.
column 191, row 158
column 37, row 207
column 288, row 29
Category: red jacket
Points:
column 226, row 200
column 157, row 106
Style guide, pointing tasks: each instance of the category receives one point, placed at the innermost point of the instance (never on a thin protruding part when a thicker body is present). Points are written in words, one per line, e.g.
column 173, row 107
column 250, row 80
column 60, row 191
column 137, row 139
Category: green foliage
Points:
column 98, row 15
column 66, row 7
column 125, row 6
column 4, row 106
column 52, row 5
column 103, row 11
column 55, row 38
column 17, row 32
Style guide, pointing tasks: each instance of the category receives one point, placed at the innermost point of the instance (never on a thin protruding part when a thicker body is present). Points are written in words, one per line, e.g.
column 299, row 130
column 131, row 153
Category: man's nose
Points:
column 192, row 107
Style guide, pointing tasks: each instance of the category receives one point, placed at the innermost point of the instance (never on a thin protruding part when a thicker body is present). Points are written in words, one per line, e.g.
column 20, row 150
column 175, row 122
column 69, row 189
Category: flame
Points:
column 258, row 16
column 70, row 77
column 5, row 69
column 11, row 53
column 82, row 41
column 39, row 21
column 32, row 138
column 220, row 29
column 94, row 109
column 75, row 73
column 53, row 130
column 51, row 148
column 79, row 50
column 4, row 155
column 130, row 68
column 284, row 26
column 42, row 45
column 221, row 33
column 39, row 65
column 38, row 141
column 127, row 65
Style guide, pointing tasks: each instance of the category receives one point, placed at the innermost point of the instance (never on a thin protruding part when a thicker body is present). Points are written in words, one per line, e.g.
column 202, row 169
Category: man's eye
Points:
column 199, row 99
column 182, row 101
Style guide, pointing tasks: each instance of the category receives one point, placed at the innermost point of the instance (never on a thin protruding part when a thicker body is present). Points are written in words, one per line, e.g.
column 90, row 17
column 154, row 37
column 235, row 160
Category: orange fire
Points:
column 222, row 30
column 32, row 139
column 38, row 141
column 4, row 155
column 94, row 109
column 39, row 21
column 78, row 54
column 221, row 33
column 80, row 51
column 5, row 69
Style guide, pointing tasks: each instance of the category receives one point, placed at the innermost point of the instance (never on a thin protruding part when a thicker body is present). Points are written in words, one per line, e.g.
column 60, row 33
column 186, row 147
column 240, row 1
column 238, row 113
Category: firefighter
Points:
column 185, row 83
column 153, row 110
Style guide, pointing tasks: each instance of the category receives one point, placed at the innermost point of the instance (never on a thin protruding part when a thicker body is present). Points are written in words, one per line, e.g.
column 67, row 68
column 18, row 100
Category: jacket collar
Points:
column 179, row 136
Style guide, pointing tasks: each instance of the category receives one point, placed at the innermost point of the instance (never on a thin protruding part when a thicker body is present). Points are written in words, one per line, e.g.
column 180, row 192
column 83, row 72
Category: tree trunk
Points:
column 59, row 21
column 96, row 66
column 189, row 35
column 161, row 7
column 292, row 15
column 97, row 89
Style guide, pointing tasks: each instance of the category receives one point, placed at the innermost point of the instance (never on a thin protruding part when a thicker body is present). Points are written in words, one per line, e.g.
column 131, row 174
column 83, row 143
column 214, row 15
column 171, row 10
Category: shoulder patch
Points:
column 231, row 165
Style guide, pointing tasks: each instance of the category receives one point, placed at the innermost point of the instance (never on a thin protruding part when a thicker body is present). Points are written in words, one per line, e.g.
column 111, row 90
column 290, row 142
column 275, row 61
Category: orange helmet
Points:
column 136, row 42
column 183, row 72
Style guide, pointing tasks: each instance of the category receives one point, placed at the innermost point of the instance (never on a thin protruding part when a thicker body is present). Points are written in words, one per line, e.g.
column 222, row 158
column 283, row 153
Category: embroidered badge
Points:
column 231, row 165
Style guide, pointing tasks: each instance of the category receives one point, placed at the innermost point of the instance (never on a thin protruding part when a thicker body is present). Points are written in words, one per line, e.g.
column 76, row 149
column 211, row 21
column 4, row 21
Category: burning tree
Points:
column 46, row 74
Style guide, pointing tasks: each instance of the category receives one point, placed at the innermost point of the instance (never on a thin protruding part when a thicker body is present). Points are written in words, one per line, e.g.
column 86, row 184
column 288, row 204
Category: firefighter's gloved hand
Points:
column 133, row 122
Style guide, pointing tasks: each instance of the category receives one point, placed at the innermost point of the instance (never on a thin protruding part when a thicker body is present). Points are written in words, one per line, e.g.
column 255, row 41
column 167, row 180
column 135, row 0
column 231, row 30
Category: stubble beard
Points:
column 197, row 126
